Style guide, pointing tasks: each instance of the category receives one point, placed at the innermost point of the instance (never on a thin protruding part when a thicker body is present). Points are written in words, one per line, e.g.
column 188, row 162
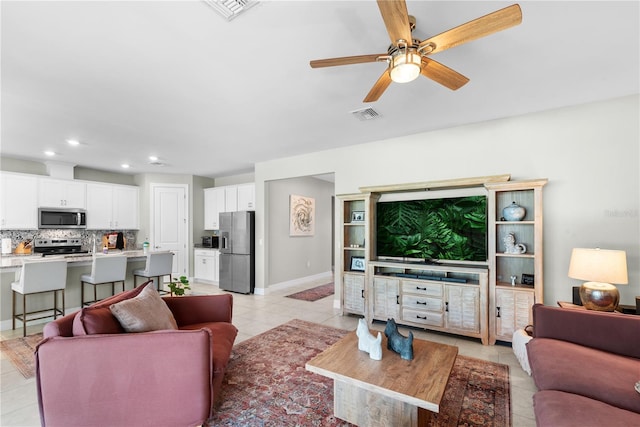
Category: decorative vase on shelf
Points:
column 514, row 212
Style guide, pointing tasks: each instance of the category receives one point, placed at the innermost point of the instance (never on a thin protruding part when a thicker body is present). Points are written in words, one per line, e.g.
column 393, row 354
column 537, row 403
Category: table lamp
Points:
column 601, row 268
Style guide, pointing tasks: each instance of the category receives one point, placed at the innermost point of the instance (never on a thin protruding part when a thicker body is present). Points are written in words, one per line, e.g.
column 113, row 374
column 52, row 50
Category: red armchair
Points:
column 159, row 378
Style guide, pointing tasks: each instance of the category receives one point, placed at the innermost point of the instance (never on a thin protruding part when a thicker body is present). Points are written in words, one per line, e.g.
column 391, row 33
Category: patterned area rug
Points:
column 268, row 386
column 20, row 353
column 314, row 294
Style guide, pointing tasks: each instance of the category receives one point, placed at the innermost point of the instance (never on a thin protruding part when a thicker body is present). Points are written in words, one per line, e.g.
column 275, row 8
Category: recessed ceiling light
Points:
column 125, row 166
column 153, row 158
column 73, row 142
column 50, row 153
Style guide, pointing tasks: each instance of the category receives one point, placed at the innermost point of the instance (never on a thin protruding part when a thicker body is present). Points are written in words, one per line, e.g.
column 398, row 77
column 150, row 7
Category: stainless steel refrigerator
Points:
column 237, row 247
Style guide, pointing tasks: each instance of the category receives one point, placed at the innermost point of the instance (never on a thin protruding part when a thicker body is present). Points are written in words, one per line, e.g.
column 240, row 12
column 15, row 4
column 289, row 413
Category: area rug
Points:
column 20, row 351
column 267, row 384
column 314, row 294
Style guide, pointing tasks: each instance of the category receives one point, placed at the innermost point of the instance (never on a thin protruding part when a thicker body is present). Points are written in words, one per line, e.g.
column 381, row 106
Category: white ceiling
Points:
column 212, row 98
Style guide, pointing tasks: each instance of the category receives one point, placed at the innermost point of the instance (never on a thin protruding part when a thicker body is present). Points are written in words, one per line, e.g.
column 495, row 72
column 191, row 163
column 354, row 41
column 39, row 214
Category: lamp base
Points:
column 599, row 296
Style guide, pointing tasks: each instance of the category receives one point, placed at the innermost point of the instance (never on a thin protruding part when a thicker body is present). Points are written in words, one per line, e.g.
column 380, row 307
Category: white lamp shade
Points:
column 599, row 265
column 405, row 67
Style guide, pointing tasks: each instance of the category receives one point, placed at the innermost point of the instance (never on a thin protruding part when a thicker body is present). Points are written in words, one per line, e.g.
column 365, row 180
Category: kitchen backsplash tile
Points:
column 18, row 236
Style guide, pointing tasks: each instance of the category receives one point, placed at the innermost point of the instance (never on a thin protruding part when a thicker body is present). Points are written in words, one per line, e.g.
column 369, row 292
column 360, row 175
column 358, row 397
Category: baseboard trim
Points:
column 291, row 283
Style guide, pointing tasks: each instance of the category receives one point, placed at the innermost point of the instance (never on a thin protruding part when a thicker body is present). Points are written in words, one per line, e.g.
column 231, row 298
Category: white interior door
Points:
column 170, row 225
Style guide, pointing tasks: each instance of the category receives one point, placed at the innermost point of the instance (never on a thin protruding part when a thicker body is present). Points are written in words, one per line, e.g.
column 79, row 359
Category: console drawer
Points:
column 422, row 288
column 419, row 303
column 423, row 317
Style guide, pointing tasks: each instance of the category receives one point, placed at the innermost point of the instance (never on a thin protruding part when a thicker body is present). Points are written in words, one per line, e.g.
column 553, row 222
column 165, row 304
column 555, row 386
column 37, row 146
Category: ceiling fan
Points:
column 407, row 57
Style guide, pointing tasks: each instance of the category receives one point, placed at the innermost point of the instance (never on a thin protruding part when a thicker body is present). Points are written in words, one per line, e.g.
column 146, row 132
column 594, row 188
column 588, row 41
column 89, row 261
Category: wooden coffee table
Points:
column 387, row 392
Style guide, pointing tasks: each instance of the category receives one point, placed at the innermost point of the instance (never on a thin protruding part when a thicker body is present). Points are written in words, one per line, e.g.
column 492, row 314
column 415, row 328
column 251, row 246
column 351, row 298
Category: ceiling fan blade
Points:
column 379, row 87
column 396, row 19
column 442, row 74
column 472, row 30
column 345, row 60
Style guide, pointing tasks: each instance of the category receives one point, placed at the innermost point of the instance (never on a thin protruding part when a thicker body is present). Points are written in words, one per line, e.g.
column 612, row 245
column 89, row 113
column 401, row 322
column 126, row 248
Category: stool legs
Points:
column 95, row 291
column 24, row 315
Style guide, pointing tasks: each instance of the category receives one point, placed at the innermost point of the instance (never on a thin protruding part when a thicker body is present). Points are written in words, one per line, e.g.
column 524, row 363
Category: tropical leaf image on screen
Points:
column 446, row 229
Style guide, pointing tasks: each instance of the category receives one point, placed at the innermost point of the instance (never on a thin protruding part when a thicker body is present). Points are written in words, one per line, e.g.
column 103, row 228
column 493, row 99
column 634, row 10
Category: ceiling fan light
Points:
column 405, row 67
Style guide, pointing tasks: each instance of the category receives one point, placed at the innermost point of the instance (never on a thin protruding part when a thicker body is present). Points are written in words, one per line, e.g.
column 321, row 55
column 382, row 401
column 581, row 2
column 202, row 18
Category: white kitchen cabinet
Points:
column 206, row 265
column 213, row 205
column 246, row 197
column 61, row 193
column 19, row 203
column 112, row 207
column 125, row 207
column 228, row 198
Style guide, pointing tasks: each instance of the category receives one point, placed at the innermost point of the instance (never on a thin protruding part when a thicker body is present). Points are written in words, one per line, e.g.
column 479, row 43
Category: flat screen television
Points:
column 435, row 229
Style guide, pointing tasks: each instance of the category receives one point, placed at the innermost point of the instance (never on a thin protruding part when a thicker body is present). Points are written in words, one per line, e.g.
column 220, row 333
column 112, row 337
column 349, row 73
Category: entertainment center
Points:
column 475, row 286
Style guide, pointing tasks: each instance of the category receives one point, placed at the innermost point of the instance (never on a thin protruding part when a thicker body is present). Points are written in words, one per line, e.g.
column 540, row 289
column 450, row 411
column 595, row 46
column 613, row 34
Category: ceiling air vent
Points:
column 366, row 114
column 229, row 9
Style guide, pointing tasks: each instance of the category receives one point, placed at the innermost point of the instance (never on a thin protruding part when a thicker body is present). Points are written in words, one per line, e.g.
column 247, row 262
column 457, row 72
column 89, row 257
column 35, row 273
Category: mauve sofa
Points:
column 90, row 372
column 585, row 365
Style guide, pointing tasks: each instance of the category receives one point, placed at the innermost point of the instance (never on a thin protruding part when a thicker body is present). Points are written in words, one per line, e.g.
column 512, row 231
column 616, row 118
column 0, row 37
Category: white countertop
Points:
column 13, row 262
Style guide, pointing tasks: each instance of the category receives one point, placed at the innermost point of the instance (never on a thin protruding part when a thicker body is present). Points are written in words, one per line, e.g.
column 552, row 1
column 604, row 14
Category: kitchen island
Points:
column 78, row 264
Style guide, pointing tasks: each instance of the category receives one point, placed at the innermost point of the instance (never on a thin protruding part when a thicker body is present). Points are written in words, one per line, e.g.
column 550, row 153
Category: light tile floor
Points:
column 254, row 314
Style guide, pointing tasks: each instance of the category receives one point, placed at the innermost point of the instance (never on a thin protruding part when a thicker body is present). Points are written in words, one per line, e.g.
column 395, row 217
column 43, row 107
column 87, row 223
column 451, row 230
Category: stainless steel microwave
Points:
column 62, row 218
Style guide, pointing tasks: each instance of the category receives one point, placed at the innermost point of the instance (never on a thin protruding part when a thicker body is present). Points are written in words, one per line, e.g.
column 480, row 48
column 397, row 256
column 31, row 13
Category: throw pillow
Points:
column 146, row 312
column 97, row 318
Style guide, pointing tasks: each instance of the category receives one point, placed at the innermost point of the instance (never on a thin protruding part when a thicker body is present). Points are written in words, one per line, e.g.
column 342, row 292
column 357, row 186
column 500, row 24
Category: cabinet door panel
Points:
column 246, row 197
column 386, row 298
column 505, row 313
column 60, row 193
column 213, row 205
column 99, row 205
column 353, row 292
column 523, row 301
column 125, row 208
column 19, row 202
column 463, row 308
column 230, row 199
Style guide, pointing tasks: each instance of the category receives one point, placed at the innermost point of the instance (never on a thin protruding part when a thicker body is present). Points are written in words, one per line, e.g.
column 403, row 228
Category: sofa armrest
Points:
column 612, row 332
column 125, row 379
column 194, row 309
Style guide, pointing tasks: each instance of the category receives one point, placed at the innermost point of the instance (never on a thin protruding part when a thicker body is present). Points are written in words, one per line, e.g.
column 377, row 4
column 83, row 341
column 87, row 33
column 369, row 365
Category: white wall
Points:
column 589, row 153
column 291, row 258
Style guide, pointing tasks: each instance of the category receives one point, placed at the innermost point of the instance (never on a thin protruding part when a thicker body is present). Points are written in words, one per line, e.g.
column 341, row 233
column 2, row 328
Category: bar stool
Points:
column 37, row 277
column 159, row 264
column 104, row 269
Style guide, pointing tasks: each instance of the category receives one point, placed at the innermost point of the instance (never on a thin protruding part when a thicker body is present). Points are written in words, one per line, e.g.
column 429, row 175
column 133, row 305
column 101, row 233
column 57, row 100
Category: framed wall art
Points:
column 357, row 263
column 357, row 216
column 301, row 215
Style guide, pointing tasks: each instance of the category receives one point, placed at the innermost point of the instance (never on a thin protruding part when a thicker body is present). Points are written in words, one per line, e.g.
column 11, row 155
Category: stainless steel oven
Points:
column 61, row 218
